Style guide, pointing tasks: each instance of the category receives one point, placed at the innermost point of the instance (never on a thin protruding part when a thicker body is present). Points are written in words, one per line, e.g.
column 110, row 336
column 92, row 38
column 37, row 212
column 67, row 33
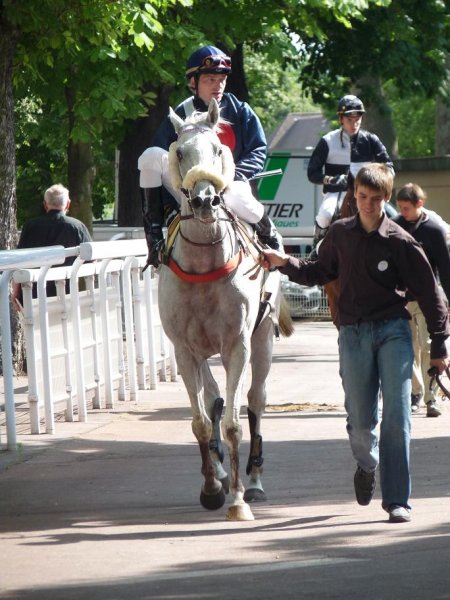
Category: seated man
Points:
column 338, row 157
column 207, row 70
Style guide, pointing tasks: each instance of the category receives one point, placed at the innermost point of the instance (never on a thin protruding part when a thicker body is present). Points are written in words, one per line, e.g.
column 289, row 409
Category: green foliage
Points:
column 399, row 41
column 415, row 124
column 83, row 68
column 274, row 89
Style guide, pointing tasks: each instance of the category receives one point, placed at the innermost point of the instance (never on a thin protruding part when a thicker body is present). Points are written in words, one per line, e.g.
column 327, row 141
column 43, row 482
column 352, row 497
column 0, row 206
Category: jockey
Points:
column 206, row 72
column 338, row 157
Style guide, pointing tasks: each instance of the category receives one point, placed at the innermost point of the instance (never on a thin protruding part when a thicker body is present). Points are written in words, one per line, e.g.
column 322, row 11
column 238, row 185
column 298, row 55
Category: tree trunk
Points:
column 137, row 139
column 442, row 144
column 8, row 224
column 80, row 174
column 8, row 206
column 80, row 165
column 378, row 118
column 236, row 82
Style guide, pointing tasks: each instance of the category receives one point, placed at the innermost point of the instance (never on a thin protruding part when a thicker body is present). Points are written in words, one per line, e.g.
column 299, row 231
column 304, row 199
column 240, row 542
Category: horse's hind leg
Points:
column 262, row 343
column 214, row 407
column 212, row 495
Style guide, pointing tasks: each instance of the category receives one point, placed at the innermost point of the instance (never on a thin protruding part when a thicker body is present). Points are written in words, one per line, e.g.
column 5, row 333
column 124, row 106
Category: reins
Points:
column 244, row 240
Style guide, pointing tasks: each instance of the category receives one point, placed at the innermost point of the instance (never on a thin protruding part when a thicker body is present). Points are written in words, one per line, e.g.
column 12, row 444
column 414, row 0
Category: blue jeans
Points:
column 376, row 355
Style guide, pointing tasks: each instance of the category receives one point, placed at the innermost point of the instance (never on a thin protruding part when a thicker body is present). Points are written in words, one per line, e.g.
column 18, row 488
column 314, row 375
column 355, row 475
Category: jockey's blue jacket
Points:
column 244, row 135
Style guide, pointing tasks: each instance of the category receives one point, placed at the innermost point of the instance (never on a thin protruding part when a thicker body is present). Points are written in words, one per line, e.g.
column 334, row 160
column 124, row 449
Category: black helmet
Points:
column 208, row 59
column 350, row 104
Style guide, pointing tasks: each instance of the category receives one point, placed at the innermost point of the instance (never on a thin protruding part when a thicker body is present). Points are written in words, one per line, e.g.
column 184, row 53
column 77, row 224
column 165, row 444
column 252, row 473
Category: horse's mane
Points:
column 201, row 118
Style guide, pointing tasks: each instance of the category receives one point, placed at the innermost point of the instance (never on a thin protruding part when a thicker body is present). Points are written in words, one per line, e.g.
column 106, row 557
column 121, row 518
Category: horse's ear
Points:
column 213, row 112
column 176, row 121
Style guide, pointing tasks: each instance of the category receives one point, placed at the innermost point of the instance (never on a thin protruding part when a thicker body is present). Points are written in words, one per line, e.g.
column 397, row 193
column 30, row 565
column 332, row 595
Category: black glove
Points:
column 155, row 241
column 340, row 180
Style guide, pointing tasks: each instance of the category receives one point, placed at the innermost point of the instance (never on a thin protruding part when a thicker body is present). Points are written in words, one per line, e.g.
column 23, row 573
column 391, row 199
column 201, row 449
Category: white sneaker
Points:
column 399, row 514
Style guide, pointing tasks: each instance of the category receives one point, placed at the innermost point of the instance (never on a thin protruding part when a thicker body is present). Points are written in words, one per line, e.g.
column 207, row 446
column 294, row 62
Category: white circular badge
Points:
column 383, row 265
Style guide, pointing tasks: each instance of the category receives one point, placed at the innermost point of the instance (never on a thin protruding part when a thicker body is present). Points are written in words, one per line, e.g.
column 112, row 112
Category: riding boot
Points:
column 267, row 233
column 153, row 219
column 319, row 234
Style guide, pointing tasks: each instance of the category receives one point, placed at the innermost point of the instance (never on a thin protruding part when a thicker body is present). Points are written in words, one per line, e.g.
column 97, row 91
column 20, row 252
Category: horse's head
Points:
column 199, row 164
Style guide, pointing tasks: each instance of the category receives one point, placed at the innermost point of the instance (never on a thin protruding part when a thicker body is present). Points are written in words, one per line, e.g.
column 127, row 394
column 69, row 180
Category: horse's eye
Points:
column 219, row 151
column 179, row 155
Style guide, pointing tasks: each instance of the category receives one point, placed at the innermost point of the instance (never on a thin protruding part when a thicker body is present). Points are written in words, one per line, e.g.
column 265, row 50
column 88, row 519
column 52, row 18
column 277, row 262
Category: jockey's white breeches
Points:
column 153, row 165
column 330, row 207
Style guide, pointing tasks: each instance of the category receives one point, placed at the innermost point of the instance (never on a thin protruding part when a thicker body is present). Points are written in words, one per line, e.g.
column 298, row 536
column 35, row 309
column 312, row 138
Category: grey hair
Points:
column 57, row 196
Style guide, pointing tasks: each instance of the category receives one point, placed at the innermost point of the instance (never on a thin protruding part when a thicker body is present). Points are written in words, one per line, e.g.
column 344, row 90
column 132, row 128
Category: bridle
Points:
column 221, row 204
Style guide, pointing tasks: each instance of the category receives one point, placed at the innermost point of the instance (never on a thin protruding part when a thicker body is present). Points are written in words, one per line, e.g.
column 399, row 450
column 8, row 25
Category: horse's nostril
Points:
column 215, row 201
column 196, row 202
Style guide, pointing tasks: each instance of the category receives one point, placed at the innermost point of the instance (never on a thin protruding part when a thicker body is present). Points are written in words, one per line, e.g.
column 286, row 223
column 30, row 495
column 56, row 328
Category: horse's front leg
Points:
column 212, row 495
column 235, row 367
column 214, row 407
column 261, row 360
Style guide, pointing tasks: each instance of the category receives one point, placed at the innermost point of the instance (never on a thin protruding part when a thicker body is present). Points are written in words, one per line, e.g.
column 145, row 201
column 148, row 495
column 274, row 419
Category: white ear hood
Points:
column 219, row 180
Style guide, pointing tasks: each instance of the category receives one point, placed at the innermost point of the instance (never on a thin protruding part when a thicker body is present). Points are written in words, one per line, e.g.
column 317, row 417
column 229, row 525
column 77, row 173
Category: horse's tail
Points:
column 285, row 320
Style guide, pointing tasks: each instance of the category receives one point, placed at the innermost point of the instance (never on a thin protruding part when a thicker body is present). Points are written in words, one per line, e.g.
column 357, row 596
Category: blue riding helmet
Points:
column 208, row 59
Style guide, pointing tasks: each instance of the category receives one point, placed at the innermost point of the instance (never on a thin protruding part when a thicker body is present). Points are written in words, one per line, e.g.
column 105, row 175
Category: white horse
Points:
column 209, row 300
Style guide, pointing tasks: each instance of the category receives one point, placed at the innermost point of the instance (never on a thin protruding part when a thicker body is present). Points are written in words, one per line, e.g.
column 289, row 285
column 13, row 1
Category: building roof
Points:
column 299, row 132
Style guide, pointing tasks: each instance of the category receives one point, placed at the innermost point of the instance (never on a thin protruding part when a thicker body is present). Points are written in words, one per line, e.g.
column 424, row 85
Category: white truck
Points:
column 290, row 199
column 292, row 203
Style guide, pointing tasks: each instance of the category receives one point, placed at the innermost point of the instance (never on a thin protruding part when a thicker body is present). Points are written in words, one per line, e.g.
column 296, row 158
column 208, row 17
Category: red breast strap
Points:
column 227, row 268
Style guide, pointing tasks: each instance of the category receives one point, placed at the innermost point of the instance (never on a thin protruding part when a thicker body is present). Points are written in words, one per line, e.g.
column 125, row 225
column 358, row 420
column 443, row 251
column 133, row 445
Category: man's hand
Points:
column 340, row 180
column 271, row 259
column 440, row 363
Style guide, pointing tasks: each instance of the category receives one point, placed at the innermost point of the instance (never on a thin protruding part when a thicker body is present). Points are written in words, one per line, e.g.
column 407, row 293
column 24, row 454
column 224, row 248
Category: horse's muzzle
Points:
column 208, row 203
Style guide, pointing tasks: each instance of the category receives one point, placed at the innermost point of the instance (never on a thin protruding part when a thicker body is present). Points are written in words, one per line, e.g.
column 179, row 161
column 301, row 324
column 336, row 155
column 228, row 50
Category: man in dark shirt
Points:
column 54, row 228
column 375, row 260
column 429, row 233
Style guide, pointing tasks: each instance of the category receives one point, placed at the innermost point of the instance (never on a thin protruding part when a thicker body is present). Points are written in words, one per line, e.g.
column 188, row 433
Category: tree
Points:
column 232, row 26
column 71, row 57
column 399, row 42
column 8, row 40
column 443, row 114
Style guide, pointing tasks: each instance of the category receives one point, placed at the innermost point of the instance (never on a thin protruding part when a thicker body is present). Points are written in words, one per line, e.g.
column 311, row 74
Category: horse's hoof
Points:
column 212, row 501
column 255, row 495
column 240, row 512
column 225, row 484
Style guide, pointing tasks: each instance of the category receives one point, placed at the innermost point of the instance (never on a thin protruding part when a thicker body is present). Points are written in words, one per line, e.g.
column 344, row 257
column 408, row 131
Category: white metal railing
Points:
column 10, row 260
column 88, row 341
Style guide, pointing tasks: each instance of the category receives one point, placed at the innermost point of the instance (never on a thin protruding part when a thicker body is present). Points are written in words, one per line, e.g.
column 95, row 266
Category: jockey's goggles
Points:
column 212, row 64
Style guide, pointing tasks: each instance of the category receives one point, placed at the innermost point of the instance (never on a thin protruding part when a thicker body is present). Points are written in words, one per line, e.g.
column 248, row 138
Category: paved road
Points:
column 108, row 510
